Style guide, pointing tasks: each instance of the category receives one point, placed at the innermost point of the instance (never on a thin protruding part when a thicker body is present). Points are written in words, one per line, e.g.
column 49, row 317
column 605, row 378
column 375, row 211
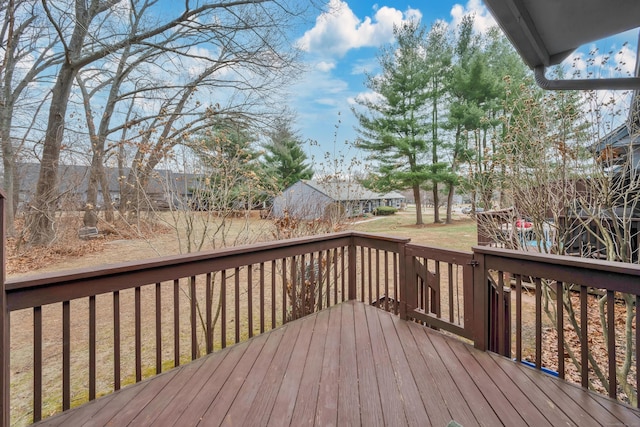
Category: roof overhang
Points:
column 546, row 32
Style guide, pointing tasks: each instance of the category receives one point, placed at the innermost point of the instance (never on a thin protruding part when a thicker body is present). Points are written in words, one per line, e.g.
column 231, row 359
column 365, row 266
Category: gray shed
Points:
column 310, row 199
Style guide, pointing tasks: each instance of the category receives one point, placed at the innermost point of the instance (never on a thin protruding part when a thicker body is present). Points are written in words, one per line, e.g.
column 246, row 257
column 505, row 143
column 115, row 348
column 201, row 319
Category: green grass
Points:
column 460, row 235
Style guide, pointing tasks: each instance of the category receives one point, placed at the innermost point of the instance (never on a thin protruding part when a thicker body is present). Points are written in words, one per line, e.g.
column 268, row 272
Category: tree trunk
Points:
column 416, row 196
column 436, row 204
column 41, row 225
column 452, row 190
column 8, row 161
column 106, row 196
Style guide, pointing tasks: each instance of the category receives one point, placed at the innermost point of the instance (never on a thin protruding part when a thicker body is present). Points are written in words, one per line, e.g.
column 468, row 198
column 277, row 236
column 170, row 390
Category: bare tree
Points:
column 250, row 33
column 25, row 56
column 567, row 203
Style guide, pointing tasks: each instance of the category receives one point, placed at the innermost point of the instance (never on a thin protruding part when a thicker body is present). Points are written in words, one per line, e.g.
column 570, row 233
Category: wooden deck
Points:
column 352, row 365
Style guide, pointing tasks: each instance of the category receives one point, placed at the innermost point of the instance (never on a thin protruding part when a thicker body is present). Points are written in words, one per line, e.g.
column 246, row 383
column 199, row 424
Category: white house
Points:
column 308, row 199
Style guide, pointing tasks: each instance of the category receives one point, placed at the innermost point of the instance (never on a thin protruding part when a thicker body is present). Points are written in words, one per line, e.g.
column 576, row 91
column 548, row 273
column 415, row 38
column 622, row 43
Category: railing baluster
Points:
column 611, row 342
column 343, row 273
column 262, row 301
column 250, row 299
column 328, row 276
column 369, row 299
column 310, row 293
column 138, row 333
column 538, row 323
column 284, row 291
column 501, row 314
column 638, row 341
column 223, row 308
column 236, row 319
column 66, row 355
column 335, row 276
column 584, row 343
column 92, row 347
column 319, row 285
column 518, row 318
column 421, row 303
column 37, row 364
column 560, row 327
column 294, row 284
column 176, row 322
column 312, row 282
column 435, row 293
column 193, row 319
column 386, row 281
column 273, row 294
column 116, row 340
column 450, row 273
column 396, row 278
column 377, row 276
column 158, row 328
column 362, row 274
column 209, row 315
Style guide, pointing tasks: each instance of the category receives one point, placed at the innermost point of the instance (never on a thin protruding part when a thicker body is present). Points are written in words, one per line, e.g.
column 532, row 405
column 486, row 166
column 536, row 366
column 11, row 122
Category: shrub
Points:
column 385, row 210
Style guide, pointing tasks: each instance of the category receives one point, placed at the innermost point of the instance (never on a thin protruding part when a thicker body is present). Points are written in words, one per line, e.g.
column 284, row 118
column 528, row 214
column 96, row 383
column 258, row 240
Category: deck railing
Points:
column 440, row 288
column 123, row 323
column 582, row 313
column 94, row 331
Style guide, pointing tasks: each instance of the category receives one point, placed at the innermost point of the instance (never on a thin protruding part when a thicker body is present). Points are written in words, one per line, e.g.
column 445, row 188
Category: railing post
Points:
column 4, row 327
column 480, row 303
column 468, row 290
column 352, row 270
column 403, row 279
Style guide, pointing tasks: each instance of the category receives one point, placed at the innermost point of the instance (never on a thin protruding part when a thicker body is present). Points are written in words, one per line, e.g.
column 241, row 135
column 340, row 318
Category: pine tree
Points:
column 284, row 157
column 392, row 124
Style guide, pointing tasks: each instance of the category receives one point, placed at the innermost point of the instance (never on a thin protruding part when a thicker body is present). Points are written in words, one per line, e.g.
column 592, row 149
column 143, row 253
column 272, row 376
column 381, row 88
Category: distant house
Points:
column 308, row 199
column 165, row 187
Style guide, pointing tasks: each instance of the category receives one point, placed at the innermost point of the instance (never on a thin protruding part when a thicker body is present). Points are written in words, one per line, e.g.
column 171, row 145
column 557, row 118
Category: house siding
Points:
column 301, row 201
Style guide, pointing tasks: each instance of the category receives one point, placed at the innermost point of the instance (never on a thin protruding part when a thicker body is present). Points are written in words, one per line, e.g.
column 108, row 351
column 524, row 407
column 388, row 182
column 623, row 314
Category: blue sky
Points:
column 340, row 46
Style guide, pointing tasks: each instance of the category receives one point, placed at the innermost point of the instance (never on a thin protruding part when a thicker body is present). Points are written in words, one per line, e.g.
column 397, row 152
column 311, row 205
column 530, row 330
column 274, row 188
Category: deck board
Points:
column 253, row 381
column 352, row 364
column 496, row 388
column 434, row 394
column 327, row 406
column 368, row 390
column 414, row 409
column 348, row 380
column 286, row 398
column 392, row 407
column 305, row 409
column 480, row 407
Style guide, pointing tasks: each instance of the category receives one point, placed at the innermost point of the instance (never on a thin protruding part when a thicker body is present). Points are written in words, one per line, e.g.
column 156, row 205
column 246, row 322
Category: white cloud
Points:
column 483, row 18
column 331, row 102
column 364, row 66
column 325, row 66
column 339, row 30
column 367, row 97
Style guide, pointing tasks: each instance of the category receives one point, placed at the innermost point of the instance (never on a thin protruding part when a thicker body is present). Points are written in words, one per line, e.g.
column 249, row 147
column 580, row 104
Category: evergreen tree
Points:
column 392, row 123
column 439, row 56
column 476, row 111
column 233, row 177
column 284, row 157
